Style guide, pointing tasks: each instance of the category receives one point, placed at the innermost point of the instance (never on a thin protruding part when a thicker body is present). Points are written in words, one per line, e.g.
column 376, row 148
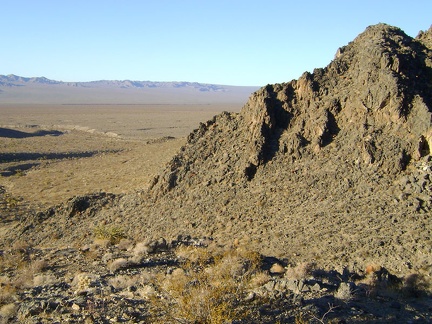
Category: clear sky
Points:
column 234, row 42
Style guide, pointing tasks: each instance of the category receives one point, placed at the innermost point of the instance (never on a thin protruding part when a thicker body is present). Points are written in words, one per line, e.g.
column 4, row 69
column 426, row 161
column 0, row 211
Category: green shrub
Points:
column 113, row 234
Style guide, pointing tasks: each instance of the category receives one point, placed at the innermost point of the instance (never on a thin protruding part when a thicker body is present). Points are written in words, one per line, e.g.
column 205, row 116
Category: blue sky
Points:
column 223, row 42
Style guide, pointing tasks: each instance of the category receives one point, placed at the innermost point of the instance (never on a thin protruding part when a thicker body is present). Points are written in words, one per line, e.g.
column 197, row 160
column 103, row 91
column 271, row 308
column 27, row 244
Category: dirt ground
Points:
column 50, row 153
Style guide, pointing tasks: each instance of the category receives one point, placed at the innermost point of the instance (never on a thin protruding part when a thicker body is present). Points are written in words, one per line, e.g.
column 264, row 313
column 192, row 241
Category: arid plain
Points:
column 50, row 153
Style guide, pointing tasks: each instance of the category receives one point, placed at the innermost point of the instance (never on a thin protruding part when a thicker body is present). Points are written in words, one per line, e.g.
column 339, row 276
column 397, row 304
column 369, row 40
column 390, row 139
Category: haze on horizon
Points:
column 248, row 43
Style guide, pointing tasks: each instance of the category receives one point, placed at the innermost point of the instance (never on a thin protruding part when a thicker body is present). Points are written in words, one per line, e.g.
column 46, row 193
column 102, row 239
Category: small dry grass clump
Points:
column 117, row 264
column 300, row 271
column 7, row 312
column 345, row 292
column 7, row 290
column 208, row 288
column 19, row 256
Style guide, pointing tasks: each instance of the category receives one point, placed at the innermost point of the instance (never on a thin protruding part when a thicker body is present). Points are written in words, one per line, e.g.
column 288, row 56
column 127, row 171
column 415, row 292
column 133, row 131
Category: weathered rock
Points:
column 308, row 169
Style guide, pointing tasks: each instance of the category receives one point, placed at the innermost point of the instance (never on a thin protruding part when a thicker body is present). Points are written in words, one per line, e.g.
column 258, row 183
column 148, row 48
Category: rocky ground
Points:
column 150, row 281
column 312, row 204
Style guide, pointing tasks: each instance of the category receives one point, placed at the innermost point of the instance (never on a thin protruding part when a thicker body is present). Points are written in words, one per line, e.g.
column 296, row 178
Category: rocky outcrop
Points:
column 372, row 103
column 321, row 148
column 333, row 167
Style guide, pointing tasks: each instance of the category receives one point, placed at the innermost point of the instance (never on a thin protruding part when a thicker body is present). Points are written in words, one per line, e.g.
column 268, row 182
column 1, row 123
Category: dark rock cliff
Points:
column 372, row 104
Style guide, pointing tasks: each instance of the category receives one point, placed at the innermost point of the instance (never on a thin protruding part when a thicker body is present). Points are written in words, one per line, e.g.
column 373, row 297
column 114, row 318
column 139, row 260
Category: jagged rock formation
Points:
column 372, row 100
column 334, row 167
column 326, row 148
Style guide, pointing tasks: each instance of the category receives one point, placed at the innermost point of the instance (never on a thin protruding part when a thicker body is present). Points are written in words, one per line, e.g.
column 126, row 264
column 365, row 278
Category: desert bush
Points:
column 300, row 271
column 123, row 281
column 118, row 264
column 42, row 280
column 345, row 292
column 7, row 312
column 113, row 234
column 82, row 281
column 7, row 290
column 208, row 288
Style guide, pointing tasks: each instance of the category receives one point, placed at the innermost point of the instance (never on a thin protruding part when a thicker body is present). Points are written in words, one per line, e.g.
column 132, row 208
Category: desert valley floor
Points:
column 68, row 150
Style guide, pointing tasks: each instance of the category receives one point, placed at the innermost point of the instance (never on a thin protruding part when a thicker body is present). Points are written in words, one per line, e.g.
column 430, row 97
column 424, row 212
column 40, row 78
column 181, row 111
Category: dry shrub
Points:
column 43, row 280
column 7, row 311
column 123, row 281
column 7, row 290
column 208, row 288
column 345, row 292
column 117, row 264
column 113, row 234
column 300, row 271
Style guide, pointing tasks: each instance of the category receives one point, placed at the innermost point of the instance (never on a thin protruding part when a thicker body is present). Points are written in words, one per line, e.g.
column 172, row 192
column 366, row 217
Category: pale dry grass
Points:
column 7, row 312
column 300, row 271
column 118, row 264
column 208, row 288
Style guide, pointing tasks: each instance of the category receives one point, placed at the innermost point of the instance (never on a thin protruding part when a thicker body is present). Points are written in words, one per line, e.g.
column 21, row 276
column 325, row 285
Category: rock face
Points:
column 322, row 152
column 334, row 167
column 372, row 102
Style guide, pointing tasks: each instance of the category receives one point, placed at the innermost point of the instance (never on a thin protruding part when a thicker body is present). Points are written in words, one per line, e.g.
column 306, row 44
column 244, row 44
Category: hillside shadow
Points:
column 25, row 161
column 22, row 156
column 10, row 171
column 13, row 133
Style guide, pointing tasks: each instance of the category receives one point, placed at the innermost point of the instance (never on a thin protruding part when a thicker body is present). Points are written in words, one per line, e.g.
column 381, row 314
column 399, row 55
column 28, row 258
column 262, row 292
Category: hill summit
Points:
column 339, row 157
column 334, row 167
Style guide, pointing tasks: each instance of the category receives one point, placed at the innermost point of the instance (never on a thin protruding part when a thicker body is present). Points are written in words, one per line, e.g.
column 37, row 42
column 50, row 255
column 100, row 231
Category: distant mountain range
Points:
column 39, row 90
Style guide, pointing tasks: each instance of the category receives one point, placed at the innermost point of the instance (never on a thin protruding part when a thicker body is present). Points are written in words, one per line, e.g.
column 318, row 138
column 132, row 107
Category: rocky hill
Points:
column 340, row 157
column 334, row 168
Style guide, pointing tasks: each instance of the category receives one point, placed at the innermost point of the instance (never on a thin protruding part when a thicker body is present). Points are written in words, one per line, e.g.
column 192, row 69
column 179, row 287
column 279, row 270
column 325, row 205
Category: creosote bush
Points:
column 208, row 287
column 113, row 234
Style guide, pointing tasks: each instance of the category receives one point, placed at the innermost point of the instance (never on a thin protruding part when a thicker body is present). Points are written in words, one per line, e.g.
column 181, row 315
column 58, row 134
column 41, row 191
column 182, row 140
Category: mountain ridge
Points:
column 40, row 90
column 15, row 80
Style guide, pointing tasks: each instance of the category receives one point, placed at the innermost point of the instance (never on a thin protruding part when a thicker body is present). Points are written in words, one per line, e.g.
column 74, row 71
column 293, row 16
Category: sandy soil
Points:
column 49, row 153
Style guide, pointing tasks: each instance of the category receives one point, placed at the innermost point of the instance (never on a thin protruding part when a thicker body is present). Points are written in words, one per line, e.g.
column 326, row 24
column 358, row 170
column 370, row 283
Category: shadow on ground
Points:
column 12, row 133
column 20, row 157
